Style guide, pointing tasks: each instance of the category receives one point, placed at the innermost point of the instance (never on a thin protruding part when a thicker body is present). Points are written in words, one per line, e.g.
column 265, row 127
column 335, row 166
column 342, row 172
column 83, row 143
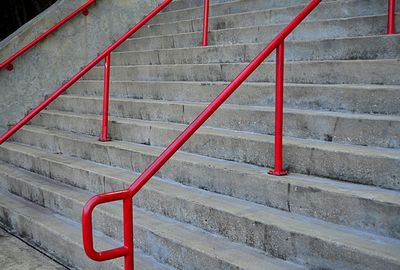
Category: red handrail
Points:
column 391, row 15
column 205, row 22
column 127, row 194
column 84, row 9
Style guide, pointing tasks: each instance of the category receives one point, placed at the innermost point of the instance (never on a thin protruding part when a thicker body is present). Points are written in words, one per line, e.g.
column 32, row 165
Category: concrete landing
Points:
column 16, row 255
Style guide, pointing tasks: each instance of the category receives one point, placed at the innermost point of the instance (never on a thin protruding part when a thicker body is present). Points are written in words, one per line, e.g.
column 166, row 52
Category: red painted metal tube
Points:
column 79, row 75
column 205, row 22
column 84, row 9
column 87, row 228
column 128, row 233
column 280, row 61
column 391, row 17
column 104, row 130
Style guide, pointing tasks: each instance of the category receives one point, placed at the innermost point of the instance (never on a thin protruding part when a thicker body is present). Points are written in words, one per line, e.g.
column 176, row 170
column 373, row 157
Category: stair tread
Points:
column 223, row 83
column 289, row 42
column 363, row 61
column 319, row 21
column 327, row 146
column 349, row 115
column 195, row 238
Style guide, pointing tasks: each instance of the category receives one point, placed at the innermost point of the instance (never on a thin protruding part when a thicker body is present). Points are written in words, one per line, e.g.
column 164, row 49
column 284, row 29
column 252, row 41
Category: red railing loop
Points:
column 87, row 230
column 84, row 9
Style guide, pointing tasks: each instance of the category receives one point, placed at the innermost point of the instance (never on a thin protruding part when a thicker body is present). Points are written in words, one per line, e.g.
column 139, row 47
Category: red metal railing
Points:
column 391, row 15
column 205, row 22
column 84, row 9
column 127, row 194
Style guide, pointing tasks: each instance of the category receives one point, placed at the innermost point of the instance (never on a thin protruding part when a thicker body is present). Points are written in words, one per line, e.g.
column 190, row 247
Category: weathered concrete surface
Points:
column 16, row 255
column 177, row 244
column 282, row 234
column 309, row 30
column 321, row 72
column 325, row 126
column 41, row 70
column 61, row 237
column 361, row 207
column 326, row 10
column 343, row 98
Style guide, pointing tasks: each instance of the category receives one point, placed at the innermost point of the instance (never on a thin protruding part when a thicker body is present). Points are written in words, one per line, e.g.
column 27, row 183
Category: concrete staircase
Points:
column 213, row 206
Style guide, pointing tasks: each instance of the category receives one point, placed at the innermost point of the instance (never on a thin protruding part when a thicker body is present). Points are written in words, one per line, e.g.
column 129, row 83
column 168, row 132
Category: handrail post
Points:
column 104, row 130
column 128, row 233
column 280, row 60
column 205, row 22
column 391, row 15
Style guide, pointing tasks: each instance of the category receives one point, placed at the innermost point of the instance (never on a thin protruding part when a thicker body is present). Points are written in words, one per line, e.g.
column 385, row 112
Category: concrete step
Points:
column 283, row 234
column 178, row 5
column 162, row 237
column 309, row 30
column 320, row 72
column 326, row 10
column 378, row 99
column 57, row 236
column 225, row 6
column 354, row 48
column 368, row 208
column 365, row 165
column 234, row 7
column 326, row 126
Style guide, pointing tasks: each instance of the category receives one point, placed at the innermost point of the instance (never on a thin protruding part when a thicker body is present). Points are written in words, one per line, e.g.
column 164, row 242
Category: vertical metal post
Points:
column 205, row 22
column 280, row 60
column 391, row 15
column 128, row 233
column 104, row 131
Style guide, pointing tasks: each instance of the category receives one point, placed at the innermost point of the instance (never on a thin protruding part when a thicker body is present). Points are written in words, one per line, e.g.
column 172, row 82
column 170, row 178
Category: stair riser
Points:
column 276, row 16
column 376, row 25
column 178, row 5
column 360, row 7
column 344, row 72
column 347, row 166
column 383, row 47
column 225, row 6
column 289, row 195
column 315, row 97
column 48, row 240
column 263, row 236
column 328, row 127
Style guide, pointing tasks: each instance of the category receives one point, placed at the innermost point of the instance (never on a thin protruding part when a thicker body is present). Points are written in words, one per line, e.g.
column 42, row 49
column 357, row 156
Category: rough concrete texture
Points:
column 16, row 255
column 310, row 30
column 66, row 51
column 327, row 126
column 235, row 220
column 296, row 193
column 371, row 99
column 213, row 205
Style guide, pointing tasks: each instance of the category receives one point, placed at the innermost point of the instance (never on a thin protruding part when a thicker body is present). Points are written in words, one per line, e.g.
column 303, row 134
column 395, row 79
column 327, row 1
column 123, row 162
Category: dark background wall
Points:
column 15, row 13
